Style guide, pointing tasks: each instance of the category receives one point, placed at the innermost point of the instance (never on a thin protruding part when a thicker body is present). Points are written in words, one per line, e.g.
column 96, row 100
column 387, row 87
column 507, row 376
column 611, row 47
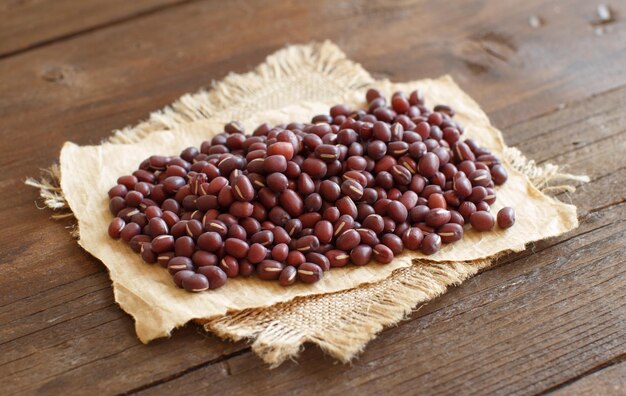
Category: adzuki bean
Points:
column 292, row 201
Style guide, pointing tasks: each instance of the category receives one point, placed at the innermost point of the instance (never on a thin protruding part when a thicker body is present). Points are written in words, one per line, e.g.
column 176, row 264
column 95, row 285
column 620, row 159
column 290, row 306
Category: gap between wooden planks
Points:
column 83, row 308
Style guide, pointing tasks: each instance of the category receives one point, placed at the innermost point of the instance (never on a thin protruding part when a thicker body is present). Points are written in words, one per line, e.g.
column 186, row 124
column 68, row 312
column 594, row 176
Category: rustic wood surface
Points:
column 549, row 319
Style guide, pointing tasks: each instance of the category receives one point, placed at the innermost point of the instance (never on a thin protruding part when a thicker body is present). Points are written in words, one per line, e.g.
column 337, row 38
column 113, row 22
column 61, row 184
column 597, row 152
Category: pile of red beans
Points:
column 292, row 201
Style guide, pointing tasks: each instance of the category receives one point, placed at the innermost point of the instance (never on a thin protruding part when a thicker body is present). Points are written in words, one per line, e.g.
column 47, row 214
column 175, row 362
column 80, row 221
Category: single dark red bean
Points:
column 337, row 258
column 361, row 254
column 243, row 189
column 499, row 174
column 129, row 231
column 428, row 165
column 269, row 269
column 177, row 263
column 450, row 232
column 209, row 241
column 263, row 237
column 288, row 276
column 412, row 238
column 352, row 189
column 382, row 254
column 281, row 148
column 236, row 247
column 506, row 217
column 280, row 252
column 397, row 211
column 368, row 237
column 164, row 258
column 310, row 273
column 482, row 221
column 307, row 244
column 314, row 167
column 184, row 246
column 147, row 254
column 115, row 227
column 163, row 243
column 348, row 240
column 295, row 258
column 437, row 217
column 200, row 258
column 195, row 283
column 323, row 230
column 230, row 266
column 437, row 200
column 374, row 222
column 291, row 202
column 431, row 244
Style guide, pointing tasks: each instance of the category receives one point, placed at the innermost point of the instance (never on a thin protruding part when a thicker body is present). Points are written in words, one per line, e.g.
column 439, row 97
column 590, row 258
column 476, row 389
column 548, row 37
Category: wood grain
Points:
column 537, row 321
column 549, row 316
column 610, row 381
column 30, row 24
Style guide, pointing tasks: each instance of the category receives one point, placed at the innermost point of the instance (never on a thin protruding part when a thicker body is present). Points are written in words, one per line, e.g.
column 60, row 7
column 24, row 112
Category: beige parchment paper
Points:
column 89, row 171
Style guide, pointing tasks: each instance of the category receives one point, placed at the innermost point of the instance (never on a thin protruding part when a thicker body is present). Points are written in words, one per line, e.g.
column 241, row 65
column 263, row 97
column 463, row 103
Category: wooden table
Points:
column 551, row 319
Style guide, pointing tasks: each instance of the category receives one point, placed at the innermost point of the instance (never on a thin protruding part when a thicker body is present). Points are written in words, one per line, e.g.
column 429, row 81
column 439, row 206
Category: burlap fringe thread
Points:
column 340, row 323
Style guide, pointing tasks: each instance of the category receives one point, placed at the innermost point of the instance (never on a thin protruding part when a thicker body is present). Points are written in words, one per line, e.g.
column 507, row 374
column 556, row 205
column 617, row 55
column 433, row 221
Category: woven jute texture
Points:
column 340, row 323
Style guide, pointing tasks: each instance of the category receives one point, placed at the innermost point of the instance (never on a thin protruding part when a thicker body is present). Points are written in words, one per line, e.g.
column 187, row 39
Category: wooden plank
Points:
column 33, row 316
column 30, row 24
column 471, row 296
column 90, row 95
column 610, row 381
column 500, row 339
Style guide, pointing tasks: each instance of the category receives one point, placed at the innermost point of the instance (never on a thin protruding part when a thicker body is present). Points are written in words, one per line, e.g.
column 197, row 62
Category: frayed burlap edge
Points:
column 340, row 323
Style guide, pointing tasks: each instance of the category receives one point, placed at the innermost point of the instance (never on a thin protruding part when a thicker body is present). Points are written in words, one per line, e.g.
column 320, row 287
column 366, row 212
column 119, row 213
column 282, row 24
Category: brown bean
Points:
column 482, row 221
column 382, row 254
column 361, row 254
column 506, row 217
column 428, row 165
column 397, row 211
column 450, row 232
column 412, row 238
column 310, row 273
column 352, row 189
column 437, row 217
column 431, row 244
column 337, row 258
column 243, row 189
column 291, row 202
column 269, row 269
column 348, row 240
column 236, row 247
column 230, row 266
column 288, row 276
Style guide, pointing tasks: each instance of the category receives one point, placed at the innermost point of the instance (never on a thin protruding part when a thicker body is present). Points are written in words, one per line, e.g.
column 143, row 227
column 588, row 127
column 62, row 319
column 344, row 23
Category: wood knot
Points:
column 58, row 74
column 483, row 52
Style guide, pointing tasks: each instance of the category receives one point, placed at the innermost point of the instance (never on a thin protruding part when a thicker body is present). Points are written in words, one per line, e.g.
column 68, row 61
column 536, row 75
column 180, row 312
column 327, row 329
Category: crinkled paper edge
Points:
column 276, row 340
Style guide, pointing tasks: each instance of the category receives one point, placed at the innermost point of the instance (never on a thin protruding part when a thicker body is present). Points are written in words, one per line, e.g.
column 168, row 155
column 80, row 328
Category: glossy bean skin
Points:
column 482, row 221
column 506, row 217
column 382, row 254
column 361, row 254
column 291, row 201
column 310, row 273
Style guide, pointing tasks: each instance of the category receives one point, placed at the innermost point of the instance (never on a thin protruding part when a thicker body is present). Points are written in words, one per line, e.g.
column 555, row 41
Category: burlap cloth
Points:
column 350, row 305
